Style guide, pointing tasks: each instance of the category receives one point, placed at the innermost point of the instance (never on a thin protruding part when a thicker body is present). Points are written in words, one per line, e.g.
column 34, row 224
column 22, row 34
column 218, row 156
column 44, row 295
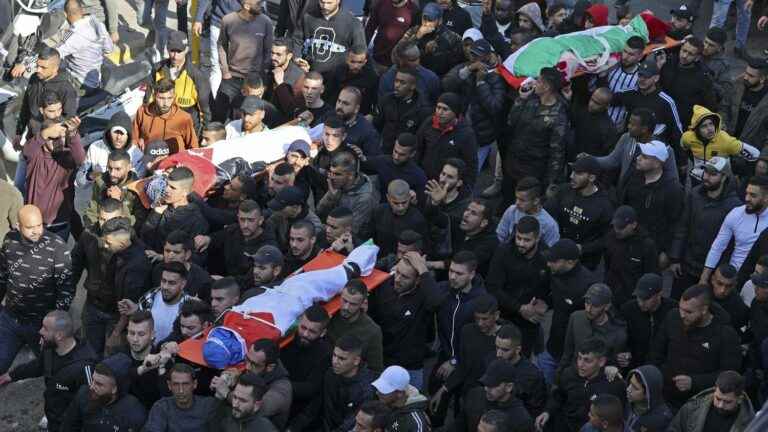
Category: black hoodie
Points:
column 626, row 260
column 33, row 98
column 654, row 409
column 120, row 118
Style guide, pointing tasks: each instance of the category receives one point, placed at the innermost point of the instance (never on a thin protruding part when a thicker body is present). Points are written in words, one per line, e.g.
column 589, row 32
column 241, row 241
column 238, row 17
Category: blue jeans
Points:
column 743, row 19
column 13, row 337
column 20, row 179
column 158, row 24
column 417, row 378
column 97, row 326
column 482, row 154
column 548, row 365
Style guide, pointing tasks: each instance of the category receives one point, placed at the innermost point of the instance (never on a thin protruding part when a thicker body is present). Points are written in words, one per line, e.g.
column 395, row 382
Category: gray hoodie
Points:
column 533, row 12
column 653, row 412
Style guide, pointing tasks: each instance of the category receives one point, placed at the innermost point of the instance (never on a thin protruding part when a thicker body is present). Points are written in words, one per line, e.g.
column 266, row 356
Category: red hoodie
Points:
column 598, row 14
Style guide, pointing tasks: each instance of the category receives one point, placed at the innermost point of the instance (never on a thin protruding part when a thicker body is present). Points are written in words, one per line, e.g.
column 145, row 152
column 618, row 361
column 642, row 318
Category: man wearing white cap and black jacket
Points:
column 407, row 404
column 657, row 197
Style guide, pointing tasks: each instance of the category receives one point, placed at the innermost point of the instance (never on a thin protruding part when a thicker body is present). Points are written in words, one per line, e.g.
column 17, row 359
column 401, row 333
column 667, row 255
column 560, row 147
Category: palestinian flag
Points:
column 589, row 51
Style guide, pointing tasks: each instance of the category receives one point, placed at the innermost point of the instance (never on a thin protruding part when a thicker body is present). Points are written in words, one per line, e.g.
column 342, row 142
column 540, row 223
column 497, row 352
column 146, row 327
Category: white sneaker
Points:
column 43, row 425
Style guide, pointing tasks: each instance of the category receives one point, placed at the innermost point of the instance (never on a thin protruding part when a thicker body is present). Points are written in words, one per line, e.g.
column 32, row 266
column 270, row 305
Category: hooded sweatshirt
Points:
column 411, row 417
column 98, row 152
column 124, row 414
column 722, row 144
column 598, row 14
column 533, row 12
column 653, row 408
column 174, row 127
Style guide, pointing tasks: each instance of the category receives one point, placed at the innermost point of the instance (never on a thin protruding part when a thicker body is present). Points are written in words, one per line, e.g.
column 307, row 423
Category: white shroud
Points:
column 290, row 299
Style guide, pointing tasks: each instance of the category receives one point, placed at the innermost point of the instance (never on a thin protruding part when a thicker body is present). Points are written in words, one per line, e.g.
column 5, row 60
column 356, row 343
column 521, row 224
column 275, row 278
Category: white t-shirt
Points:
column 164, row 315
column 234, row 129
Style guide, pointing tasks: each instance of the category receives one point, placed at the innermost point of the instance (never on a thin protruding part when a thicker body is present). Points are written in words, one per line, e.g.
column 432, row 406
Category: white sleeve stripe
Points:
column 419, row 423
column 673, row 107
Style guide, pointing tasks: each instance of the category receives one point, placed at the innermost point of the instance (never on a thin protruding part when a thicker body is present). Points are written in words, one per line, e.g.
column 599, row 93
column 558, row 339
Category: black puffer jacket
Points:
column 698, row 226
column 435, row 146
column 653, row 409
column 487, row 105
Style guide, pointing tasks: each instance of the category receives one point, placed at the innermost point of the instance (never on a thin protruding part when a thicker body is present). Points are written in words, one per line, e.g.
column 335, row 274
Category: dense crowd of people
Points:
column 585, row 255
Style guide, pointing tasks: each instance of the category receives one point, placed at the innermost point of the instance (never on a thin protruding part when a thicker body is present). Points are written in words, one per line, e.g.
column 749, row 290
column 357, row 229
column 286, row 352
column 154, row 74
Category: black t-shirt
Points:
column 748, row 102
column 717, row 422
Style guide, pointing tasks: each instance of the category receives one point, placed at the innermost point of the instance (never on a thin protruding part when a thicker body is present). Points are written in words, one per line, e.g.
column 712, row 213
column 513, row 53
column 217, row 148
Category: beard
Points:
column 726, row 413
column 47, row 344
column 752, row 210
column 96, row 402
column 524, row 250
column 708, row 187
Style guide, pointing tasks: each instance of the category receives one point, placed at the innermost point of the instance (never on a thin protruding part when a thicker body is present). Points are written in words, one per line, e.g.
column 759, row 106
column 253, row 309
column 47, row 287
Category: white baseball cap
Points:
column 472, row 33
column 655, row 149
column 393, row 378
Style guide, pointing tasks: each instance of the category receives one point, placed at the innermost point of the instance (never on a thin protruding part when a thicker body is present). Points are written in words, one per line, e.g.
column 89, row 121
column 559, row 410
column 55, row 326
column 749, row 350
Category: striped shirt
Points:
column 620, row 81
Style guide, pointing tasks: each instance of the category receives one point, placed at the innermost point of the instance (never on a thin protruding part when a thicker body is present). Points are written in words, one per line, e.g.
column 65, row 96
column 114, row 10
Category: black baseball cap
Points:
column 481, row 47
column 177, row 41
column 624, row 216
column 563, row 249
column 288, row 196
column 268, row 254
column 587, row 164
column 598, row 294
column 683, row 12
column 760, row 280
column 648, row 68
column 155, row 149
column 498, row 372
column 648, row 286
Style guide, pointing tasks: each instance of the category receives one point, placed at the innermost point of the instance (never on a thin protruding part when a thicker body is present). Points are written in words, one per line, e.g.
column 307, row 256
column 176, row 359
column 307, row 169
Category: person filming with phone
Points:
column 52, row 156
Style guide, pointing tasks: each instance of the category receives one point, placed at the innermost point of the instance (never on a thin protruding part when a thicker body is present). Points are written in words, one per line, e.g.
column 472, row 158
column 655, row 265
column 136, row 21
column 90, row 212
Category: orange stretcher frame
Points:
column 517, row 81
column 192, row 349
